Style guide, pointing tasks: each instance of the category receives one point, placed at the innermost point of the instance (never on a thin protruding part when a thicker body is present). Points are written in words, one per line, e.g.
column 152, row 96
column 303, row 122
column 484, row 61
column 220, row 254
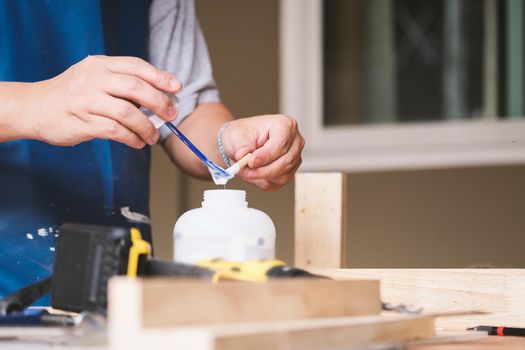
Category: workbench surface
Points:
column 489, row 343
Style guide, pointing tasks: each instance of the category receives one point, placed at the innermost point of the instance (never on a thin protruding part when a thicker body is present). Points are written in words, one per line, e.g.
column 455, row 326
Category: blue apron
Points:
column 42, row 186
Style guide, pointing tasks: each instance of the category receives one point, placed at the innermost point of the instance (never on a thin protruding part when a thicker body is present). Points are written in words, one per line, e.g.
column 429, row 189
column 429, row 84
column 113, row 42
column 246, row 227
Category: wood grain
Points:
column 320, row 212
column 499, row 291
column 489, row 343
column 332, row 333
column 170, row 302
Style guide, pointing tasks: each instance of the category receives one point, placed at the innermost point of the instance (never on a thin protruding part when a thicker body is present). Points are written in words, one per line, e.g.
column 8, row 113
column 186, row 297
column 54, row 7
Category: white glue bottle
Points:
column 224, row 227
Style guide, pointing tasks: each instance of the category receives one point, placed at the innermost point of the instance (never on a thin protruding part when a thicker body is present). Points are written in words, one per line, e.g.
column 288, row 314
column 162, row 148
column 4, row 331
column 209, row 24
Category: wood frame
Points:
column 500, row 292
column 319, row 235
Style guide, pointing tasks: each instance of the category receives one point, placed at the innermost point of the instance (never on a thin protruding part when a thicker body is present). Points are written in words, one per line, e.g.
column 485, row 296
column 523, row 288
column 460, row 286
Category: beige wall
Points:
column 445, row 218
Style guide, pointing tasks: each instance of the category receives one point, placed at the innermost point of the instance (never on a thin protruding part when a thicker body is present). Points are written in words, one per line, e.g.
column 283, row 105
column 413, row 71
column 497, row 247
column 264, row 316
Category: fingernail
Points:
column 172, row 111
column 257, row 162
column 175, row 84
column 155, row 138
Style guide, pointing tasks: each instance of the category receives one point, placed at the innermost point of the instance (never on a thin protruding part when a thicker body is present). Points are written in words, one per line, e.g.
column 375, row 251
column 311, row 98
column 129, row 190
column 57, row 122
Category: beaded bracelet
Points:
column 227, row 160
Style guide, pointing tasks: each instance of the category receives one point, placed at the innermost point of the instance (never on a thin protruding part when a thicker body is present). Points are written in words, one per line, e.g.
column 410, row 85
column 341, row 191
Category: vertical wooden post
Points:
column 320, row 218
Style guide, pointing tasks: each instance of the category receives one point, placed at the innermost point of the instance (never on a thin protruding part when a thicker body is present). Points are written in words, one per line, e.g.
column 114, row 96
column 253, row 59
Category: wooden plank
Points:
column 329, row 333
column 320, row 212
column 164, row 302
column 489, row 343
column 194, row 303
column 499, row 291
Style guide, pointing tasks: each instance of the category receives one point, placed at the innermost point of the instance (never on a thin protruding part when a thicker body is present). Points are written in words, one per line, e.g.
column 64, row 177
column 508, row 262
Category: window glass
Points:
column 389, row 61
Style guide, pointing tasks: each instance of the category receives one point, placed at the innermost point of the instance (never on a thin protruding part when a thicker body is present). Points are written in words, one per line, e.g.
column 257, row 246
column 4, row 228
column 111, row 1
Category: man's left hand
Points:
column 275, row 143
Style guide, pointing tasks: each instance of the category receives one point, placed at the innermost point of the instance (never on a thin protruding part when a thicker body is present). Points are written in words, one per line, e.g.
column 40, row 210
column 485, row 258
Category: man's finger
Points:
column 241, row 152
column 283, row 165
column 264, row 185
column 132, row 88
column 280, row 138
column 158, row 78
column 277, row 182
column 285, row 178
column 105, row 128
column 126, row 114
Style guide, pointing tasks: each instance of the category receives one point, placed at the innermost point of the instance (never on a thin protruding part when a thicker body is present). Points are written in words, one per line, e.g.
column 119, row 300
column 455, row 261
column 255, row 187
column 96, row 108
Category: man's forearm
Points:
column 201, row 127
column 13, row 121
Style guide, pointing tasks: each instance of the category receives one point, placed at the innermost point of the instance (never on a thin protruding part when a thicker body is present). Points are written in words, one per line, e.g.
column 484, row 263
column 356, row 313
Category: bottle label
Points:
column 250, row 248
column 191, row 249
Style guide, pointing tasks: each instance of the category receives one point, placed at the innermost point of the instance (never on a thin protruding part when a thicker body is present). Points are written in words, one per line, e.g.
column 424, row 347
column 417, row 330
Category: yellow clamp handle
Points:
column 138, row 247
column 250, row 271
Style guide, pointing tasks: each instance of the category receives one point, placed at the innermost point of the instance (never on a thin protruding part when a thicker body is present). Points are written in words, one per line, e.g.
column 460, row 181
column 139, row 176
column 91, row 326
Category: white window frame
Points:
column 376, row 147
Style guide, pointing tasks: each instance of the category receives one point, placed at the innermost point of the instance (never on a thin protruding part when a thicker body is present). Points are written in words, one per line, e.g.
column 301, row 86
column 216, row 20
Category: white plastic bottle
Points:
column 224, row 227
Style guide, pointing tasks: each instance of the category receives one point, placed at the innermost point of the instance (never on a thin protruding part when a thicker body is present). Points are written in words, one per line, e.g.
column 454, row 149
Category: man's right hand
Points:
column 98, row 98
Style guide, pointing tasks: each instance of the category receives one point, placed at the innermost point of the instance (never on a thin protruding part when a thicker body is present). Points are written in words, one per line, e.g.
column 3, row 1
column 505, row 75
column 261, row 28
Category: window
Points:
column 394, row 84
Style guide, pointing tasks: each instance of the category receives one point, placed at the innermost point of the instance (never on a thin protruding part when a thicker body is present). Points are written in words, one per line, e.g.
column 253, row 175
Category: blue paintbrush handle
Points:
column 194, row 149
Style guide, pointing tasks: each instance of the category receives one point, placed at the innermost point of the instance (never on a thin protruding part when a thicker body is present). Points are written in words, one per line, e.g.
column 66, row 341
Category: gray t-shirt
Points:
column 176, row 44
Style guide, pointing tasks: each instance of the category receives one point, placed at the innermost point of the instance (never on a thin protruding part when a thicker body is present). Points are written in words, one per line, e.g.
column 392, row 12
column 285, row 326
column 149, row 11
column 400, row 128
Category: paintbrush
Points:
column 219, row 175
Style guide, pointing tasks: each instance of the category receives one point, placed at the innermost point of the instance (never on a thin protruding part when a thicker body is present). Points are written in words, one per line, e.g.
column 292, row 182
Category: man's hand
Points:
column 275, row 143
column 98, row 98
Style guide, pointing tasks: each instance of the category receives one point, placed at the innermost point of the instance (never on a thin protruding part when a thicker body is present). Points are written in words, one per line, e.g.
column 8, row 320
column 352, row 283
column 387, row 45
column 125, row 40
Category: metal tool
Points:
column 20, row 299
column 402, row 309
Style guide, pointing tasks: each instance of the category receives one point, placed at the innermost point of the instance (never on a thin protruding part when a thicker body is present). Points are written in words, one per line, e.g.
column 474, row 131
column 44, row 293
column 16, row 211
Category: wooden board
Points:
column 162, row 302
column 333, row 333
column 282, row 314
column 499, row 291
column 488, row 343
column 320, row 212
